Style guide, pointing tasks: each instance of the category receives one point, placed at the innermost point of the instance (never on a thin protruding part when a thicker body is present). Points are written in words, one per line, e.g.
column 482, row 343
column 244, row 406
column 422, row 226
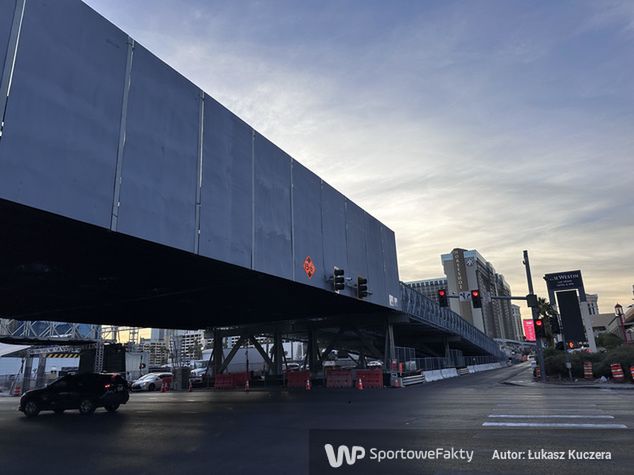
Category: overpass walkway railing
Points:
column 426, row 311
column 47, row 331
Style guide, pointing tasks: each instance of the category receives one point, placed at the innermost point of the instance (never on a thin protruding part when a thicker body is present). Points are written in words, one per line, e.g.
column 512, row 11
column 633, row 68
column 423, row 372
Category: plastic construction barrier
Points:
column 617, row 372
column 240, row 379
column 224, row 381
column 297, row 379
column 371, row 378
column 336, row 378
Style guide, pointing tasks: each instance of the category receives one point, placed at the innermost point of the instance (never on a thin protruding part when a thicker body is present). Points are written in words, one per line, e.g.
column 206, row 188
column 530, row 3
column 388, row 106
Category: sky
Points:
column 491, row 125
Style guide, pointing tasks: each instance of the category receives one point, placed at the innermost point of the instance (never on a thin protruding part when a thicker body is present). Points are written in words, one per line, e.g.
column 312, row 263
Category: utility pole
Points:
column 532, row 302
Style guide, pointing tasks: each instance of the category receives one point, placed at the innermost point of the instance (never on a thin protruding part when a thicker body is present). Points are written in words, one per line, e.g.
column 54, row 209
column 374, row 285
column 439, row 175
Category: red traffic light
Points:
column 475, row 293
column 441, row 293
column 539, row 323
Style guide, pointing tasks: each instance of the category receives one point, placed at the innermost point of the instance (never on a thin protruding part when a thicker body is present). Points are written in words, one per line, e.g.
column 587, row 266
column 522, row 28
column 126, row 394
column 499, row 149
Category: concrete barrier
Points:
column 434, row 375
column 449, row 373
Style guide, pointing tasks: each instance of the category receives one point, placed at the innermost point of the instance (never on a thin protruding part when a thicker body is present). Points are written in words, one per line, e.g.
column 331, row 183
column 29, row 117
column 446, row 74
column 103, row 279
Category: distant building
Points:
column 157, row 350
column 467, row 270
column 593, row 304
column 429, row 287
column 517, row 322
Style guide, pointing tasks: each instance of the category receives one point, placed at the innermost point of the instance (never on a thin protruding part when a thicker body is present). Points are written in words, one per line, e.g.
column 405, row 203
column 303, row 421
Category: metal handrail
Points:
column 422, row 308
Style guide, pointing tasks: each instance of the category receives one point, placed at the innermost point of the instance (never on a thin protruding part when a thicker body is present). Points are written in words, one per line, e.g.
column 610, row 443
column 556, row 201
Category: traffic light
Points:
column 554, row 325
column 339, row 281
column 571, row 345
column 539, row 328
column 362, row 287
column 443, row 301
column 476, row 299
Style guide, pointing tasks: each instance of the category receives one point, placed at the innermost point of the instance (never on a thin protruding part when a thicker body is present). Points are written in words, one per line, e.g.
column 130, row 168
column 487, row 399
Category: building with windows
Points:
column 517, row 322
column 467, row 270
column 593, row 304
column 429, row 287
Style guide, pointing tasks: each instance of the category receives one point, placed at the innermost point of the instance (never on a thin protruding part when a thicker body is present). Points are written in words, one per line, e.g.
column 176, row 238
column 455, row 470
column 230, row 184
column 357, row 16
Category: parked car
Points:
column 197, row 376
column 374, row 364
column 85, row 392
column 151, row 382
column 292, row 367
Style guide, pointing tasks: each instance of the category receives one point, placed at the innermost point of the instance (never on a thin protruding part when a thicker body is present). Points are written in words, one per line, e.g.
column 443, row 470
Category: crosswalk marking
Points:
column 561, row 425
column 550, row 416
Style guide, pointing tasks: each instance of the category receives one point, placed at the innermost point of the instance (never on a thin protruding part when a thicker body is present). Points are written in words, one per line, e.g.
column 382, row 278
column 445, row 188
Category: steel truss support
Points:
column 243, row 339
column 217, row 353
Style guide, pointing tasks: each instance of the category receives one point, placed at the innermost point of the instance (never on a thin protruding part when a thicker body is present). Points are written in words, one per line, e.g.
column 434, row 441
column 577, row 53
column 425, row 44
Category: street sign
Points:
column 464, row 296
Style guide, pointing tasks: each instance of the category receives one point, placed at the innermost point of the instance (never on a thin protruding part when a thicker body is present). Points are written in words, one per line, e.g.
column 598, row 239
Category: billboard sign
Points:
column 529, row 329
column 565, row 281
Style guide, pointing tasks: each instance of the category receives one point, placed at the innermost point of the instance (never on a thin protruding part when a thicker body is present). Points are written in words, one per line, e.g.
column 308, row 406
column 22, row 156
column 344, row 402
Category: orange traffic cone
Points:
column 246, row 386
column 308, row 385
column 360, row 384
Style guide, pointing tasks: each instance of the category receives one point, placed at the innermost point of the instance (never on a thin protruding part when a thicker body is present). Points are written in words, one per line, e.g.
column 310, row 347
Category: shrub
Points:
column 555, row 362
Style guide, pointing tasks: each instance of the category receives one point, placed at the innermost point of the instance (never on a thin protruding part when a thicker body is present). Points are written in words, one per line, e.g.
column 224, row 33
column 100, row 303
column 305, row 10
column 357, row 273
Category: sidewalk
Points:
column 576, row 385
column 524, row 378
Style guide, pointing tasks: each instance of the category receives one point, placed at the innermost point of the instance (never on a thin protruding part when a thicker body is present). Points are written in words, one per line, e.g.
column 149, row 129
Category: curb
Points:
column 561, row 386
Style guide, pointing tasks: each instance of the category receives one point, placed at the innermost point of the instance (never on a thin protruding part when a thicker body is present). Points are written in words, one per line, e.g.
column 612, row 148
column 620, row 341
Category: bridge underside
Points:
column 54, row 268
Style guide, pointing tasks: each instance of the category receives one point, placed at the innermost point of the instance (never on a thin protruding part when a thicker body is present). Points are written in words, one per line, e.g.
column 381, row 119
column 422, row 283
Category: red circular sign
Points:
column 309, row 267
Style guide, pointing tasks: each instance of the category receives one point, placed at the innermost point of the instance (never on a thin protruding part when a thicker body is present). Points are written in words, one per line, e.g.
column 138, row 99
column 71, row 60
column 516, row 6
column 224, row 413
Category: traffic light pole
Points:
column 535, row 310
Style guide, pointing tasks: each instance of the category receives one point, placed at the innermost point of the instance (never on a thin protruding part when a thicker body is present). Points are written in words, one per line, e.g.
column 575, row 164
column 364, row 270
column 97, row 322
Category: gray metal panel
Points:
column 376, row 267
column 307, row 234
column 272, row 227
column 356, row 225
column 333, row 213
column 226, row 212
column 7, row 7
column 391, row 265
column 59, row 146
column 158, row 187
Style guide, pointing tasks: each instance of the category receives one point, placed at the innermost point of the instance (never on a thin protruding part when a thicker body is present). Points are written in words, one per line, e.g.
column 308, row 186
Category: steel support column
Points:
column 390, row 349
column 278, row 353
column 217, row 352
column 41, row 371
column 28, row 370
column 313, row 352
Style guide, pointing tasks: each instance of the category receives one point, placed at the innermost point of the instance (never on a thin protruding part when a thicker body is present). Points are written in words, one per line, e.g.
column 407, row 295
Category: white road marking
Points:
column 550, row 416
column 554, row 425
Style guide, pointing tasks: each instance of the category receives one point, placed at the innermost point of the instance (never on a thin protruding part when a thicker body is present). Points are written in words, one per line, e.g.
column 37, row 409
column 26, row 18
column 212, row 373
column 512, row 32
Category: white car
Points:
column 374, row 364
column 151, row 382
column 196, row 376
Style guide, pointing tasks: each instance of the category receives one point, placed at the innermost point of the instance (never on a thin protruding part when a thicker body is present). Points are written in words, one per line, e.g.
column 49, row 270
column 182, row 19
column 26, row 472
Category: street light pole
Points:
column 532, row 302
column 618, row 311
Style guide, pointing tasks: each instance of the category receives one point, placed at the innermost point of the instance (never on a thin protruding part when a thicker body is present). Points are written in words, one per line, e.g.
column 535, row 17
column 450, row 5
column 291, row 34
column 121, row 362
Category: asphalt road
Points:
column 268, row 431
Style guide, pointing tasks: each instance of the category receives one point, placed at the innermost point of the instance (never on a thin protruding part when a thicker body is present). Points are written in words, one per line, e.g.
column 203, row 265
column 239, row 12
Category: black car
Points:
column 85, row 392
